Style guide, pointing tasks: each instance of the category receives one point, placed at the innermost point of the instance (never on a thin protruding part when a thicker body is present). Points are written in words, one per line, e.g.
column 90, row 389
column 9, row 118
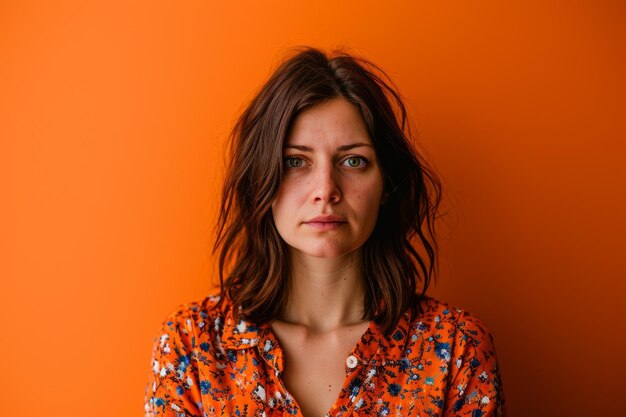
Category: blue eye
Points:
column 353, row 161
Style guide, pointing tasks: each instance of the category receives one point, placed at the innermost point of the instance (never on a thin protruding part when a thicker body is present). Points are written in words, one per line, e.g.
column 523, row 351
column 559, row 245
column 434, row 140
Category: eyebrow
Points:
column 341, row 148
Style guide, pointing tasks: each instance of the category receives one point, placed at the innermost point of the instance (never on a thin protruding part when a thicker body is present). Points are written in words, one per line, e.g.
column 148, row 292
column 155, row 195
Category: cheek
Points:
column 285, row 203
column 369, row 197
column 369, row 194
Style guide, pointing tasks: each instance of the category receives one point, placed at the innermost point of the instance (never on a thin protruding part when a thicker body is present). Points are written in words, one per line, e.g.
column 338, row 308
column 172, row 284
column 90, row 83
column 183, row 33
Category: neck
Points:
column 325, row 293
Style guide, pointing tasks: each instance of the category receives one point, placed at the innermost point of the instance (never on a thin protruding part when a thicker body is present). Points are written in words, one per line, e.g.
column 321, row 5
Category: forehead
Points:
column 331, row 122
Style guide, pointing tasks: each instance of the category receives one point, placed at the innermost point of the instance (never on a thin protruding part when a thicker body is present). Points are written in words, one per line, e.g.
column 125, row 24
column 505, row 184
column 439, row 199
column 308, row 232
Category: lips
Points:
column 327, row 219
column 329, row 222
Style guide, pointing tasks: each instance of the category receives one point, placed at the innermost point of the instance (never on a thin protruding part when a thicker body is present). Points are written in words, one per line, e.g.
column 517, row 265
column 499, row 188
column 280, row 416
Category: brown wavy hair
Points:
column 247, row 239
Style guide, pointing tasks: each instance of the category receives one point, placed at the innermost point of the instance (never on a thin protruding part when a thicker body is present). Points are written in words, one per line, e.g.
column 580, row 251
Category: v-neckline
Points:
column 362, row 351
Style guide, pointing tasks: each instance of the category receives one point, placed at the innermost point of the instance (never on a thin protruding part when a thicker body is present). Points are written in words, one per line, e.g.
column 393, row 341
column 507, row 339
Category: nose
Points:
column 326, row 187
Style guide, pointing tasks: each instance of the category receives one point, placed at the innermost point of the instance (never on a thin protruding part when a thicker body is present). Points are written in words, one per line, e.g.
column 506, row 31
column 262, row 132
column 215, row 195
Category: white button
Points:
column 351, row 362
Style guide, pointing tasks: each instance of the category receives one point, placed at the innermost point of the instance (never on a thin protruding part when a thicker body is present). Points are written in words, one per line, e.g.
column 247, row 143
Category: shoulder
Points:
column 209, row 306
column 461, row 343
column 196, row 311
column 182, row 352
column 195, row 322
column 451, row 329
column 435, row 313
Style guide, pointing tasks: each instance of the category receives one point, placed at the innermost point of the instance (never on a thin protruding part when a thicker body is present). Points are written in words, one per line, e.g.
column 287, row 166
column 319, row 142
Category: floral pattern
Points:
column 440, row 363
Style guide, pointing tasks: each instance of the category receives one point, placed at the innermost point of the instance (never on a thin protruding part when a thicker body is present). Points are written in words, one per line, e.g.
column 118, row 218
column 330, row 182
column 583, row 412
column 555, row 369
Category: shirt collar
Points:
column 373, row 344
column 243, row 334
column 239, row 334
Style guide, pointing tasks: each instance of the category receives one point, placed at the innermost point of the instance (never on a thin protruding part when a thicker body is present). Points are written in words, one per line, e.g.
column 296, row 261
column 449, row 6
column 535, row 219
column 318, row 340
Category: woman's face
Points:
column 330, row 169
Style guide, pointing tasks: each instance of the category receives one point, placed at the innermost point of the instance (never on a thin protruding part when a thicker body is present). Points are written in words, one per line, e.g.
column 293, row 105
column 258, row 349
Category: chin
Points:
column 326, row 254
column 324, row 251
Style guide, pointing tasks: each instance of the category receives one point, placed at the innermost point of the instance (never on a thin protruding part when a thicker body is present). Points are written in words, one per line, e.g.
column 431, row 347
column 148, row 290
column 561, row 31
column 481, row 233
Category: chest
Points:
column 315, row 375
column 315, row 370
column 310, row 377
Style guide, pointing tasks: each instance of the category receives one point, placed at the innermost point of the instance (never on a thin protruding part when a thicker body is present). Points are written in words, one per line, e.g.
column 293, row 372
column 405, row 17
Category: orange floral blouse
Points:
column 440, row 363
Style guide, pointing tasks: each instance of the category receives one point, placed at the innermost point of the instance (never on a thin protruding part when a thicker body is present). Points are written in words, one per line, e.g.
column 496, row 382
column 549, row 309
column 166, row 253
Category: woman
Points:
column 325, row 209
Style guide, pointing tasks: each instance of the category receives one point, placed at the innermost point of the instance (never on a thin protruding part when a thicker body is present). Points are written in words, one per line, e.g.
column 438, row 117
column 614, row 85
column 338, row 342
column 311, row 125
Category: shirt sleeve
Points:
column 172, row 389
column 475, row 387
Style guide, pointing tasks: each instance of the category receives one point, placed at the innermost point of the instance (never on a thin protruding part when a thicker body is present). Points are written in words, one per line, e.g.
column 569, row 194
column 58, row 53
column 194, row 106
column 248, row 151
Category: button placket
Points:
column 369, row 370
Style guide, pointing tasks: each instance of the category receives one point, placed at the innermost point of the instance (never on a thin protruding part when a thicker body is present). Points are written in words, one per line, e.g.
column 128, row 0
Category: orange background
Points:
column 113, row 117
